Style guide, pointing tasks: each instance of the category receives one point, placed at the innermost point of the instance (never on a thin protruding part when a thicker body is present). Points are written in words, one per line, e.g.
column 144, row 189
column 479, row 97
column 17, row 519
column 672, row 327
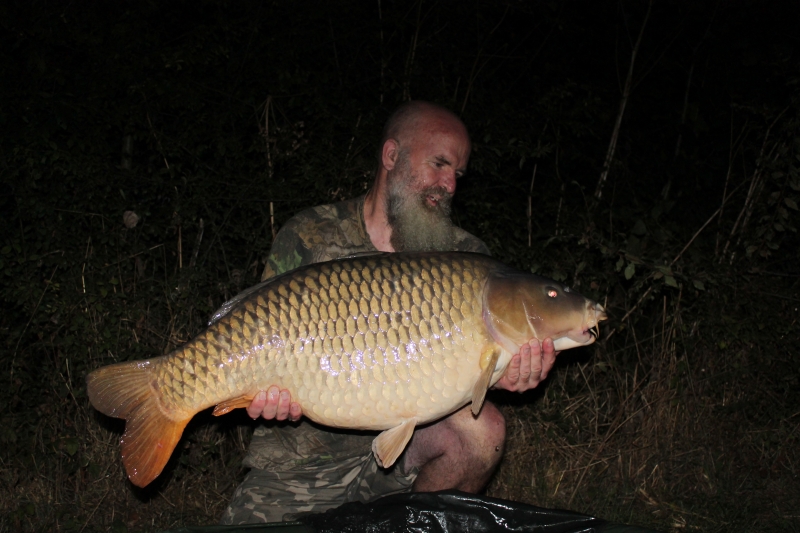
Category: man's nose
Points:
column 448, row 181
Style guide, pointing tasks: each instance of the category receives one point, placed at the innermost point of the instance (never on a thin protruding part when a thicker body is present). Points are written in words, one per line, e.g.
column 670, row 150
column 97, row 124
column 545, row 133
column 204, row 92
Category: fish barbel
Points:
column 383, row 342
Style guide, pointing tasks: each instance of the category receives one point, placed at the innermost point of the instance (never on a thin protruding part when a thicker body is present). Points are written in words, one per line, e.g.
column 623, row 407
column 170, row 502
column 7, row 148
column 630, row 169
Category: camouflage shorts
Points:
column 269, row 496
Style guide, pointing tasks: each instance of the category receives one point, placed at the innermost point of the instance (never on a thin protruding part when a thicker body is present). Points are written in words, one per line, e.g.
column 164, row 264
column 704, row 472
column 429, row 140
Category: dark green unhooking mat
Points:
column 434, row 512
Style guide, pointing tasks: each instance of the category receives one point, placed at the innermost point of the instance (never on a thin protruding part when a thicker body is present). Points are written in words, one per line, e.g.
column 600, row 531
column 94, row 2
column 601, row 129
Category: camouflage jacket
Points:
column 320, row 234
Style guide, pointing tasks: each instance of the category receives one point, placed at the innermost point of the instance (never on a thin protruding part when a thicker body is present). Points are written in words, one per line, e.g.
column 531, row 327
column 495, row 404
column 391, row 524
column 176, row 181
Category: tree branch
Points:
column 612, row 146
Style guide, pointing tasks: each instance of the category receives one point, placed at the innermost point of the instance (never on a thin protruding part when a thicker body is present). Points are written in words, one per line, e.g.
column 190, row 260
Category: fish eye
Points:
column 551, row 292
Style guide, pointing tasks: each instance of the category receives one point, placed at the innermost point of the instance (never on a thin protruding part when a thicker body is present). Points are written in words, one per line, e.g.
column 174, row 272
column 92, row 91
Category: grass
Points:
column 680, row 444
column 657, row 425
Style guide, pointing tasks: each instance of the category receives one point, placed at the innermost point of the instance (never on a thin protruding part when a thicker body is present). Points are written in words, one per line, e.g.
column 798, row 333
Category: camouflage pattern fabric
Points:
column 326, row 477
column 303, row 467
column 333, row 231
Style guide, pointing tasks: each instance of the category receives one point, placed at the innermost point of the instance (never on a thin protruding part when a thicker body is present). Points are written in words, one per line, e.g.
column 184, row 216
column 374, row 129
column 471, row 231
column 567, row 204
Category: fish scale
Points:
column 384, row 342
column 351, row 308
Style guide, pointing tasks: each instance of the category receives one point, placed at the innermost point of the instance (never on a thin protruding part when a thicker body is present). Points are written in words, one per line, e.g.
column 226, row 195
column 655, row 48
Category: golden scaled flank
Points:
column 363, row 344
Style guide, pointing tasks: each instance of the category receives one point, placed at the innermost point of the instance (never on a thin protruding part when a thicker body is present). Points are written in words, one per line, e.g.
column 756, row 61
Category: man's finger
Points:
column 257, row 405
column 283, row 406
column 526, row 352
column 513, row 369
column 549, row 357
column 295, row 412
column 271, row 407
column 536, row 363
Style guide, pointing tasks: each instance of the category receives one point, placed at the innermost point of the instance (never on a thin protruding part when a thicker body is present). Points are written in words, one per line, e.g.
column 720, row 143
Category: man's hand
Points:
column 275, row 404
column 529, row 367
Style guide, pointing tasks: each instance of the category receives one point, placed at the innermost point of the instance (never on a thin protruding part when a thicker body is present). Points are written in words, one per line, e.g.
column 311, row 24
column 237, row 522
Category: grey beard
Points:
column 415, row 225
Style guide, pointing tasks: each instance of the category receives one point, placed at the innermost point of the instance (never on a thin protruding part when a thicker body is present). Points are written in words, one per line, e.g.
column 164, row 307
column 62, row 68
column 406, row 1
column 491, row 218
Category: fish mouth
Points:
column 591, row 329
column 588, row 332
column 599, row 315
column 583, row 336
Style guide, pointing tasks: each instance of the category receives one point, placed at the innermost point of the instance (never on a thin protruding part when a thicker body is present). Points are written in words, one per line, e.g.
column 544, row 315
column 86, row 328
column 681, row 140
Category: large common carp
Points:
column 384, row 342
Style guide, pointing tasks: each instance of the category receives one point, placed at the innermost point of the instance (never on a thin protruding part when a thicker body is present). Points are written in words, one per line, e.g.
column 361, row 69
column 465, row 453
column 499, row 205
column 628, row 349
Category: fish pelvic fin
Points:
column 488, row 362
column 125, row 391
column 234, row 403
column 388, row 446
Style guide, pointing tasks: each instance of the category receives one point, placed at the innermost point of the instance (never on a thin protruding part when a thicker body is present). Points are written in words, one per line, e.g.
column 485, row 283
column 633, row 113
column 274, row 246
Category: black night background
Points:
column 645, row 153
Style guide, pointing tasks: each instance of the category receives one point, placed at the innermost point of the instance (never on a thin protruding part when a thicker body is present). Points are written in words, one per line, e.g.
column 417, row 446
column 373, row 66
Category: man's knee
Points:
column 489, row 434
column 461, row 451
column 480, row 439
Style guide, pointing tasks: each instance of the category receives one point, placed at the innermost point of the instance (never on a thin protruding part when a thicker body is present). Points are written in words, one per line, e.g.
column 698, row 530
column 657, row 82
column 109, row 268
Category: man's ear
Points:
column 389, row 154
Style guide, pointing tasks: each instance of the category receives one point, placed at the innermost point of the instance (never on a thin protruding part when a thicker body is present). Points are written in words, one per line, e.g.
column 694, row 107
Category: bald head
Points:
column 415, row 118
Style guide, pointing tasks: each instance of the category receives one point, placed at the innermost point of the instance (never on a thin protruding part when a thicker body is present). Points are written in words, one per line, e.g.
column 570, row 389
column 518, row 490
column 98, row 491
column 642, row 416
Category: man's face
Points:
column 438, row 152
column 418, row 214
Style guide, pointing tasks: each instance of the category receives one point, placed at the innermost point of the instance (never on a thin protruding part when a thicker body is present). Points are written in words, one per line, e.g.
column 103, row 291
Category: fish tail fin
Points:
column 125, row 390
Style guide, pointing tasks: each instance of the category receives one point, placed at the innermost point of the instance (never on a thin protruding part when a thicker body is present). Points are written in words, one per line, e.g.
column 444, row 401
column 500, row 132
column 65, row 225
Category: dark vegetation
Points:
column 213, row 122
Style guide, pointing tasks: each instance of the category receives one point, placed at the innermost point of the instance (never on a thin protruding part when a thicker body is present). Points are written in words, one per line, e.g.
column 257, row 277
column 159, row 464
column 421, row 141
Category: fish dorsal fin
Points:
column 388, row 446
column 230, row 304
column 234, row 403
column 361, row 255
column 488, row 362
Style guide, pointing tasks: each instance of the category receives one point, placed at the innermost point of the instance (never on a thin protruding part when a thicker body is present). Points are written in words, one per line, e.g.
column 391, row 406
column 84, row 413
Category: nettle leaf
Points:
column 630, row 270
column 669, row 280
column 71, row 445
column 791, row 204
column 698, row 285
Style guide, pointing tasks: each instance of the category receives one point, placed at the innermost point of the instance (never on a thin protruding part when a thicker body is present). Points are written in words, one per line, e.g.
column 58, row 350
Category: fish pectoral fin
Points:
column 125, row 390
column 488, row 363
column 388, row 446
column 234, row 403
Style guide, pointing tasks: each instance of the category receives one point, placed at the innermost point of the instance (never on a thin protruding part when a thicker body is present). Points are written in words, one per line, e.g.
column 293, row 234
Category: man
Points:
column 294, row 468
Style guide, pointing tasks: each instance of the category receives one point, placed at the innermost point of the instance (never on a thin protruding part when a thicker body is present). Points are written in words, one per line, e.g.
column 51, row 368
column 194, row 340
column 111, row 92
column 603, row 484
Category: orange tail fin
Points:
column 124, row 391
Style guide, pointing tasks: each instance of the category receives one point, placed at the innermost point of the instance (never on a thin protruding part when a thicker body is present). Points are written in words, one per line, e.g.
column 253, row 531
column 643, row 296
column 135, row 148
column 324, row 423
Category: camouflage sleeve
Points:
column 467, row 242
column 318, row 234
column 288, row 250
